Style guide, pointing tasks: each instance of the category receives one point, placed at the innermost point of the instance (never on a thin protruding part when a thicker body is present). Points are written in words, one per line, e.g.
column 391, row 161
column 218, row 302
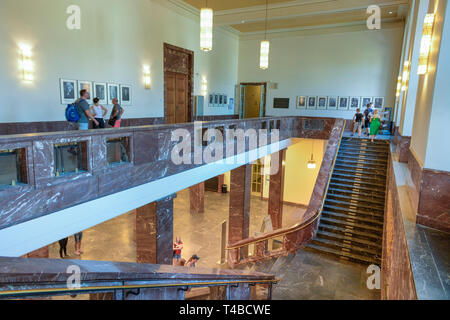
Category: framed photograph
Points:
column 113, row 92
column 125, row 95
column 220, row 100
column 343, row 103
column 332, row 103
column 100, row 92
column 211, row 100
column 68, row 90
column 378, row 102
column 355, row 103
column 322, row 102
column 225, row 100
column 301, row 102
column 85, row 85
column 365, row 101
column 216, row 100
column 312, row 102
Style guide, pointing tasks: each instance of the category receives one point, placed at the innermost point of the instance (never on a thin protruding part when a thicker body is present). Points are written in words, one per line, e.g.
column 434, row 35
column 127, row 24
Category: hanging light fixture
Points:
column 265, row 46
column 312, row 163
column 206, row 28
column 425, row 44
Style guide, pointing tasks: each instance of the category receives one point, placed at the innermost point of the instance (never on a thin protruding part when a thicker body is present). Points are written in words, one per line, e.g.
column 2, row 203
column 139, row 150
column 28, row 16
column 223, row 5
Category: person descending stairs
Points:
column 351, row 225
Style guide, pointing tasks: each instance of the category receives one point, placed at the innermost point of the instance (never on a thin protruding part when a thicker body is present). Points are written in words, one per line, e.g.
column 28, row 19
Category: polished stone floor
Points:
column 309, row 276
column 201, row 233
column 313, row 276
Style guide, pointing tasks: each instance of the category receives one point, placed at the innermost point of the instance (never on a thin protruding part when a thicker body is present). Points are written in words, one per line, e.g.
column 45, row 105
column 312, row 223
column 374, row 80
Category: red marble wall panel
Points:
column 276, row 189
column 397, row 282
column 434, row 200
column 197, row 198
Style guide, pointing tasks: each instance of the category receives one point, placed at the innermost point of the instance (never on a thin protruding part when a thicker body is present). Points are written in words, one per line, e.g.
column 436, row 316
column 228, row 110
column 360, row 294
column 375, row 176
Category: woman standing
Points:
column 375, row 124
column 99, row 112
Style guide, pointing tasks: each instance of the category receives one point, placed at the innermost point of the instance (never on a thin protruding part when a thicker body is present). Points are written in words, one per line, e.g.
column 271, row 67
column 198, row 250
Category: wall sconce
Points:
column 425, row 44
column 25, row 63
column 405, row 75
column 147, row 78
column 399, row 86
column 204, row 88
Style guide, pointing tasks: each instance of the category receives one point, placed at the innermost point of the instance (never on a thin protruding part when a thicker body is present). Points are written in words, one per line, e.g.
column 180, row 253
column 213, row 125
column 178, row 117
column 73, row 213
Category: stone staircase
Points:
column 351, row 225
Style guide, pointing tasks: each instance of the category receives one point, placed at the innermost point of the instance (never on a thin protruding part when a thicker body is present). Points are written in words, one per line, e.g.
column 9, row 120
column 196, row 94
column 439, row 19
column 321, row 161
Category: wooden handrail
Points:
column 297, row 227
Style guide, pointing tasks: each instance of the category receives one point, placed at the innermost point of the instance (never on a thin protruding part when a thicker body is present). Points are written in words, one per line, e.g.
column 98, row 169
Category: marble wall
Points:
column 432, row 199
column 397, row 276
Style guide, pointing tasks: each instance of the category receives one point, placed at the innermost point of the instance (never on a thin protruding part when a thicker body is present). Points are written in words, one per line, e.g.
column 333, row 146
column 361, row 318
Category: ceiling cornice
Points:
column 193, row 13
column 297, row 9
column 318, row 30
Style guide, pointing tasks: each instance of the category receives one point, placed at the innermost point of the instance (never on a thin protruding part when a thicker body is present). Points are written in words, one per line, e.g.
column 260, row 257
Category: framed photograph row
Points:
column 337, row 103
column 106, row 92
column 217, row 100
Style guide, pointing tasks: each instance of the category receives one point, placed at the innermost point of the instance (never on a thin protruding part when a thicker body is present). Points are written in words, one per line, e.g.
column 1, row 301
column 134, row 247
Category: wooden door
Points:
column 176, row 97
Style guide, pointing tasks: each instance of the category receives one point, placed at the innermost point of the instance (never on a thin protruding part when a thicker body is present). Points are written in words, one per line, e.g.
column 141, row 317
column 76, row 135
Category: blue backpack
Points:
column 72, row 113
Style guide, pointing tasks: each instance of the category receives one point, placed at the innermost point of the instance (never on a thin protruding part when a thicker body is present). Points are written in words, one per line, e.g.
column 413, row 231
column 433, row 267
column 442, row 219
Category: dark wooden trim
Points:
column 190, row 73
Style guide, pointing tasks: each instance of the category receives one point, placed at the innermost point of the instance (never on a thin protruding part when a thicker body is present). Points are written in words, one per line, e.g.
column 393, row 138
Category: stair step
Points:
column 364, row 152
column 371, row 253
column 355, row 206
column 354, row 233
column 349, row 226
column 360, row 159
column 363, row 146
column 380, row 186
column 355, row 218
column 377, row 204
column 361, row 164
column 358, row 175
column 362, row 170
column 365, row 189
column 353, row 212
column 362, row 195
column 339, row 237
column 365, row 140
column 341, row 255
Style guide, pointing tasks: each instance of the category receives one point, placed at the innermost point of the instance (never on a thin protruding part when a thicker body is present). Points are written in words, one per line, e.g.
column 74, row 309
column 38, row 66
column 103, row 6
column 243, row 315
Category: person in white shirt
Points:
column 99, row 112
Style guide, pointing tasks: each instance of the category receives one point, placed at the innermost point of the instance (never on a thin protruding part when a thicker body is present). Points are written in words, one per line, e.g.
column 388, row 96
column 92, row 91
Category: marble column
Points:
column 239, row 217
column 276, row 189
column 197, row 198
column 220, row 182
column 154, row 232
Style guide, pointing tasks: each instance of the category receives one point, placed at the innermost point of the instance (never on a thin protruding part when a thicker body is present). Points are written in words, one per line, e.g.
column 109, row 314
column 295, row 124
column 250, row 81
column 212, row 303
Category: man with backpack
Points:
column 84, row 111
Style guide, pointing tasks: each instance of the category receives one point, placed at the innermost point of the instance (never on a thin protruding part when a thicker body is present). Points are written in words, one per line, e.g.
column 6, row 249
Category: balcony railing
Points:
column 59, row 170
column 22, row 278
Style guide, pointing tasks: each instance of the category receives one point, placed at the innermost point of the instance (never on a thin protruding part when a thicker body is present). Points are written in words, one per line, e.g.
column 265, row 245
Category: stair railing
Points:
column 292, row 238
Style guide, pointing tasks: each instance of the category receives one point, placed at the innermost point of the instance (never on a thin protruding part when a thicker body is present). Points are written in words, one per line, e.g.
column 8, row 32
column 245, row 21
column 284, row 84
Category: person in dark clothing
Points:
column 367, row 116
column 63, row 247
column 357, row 122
